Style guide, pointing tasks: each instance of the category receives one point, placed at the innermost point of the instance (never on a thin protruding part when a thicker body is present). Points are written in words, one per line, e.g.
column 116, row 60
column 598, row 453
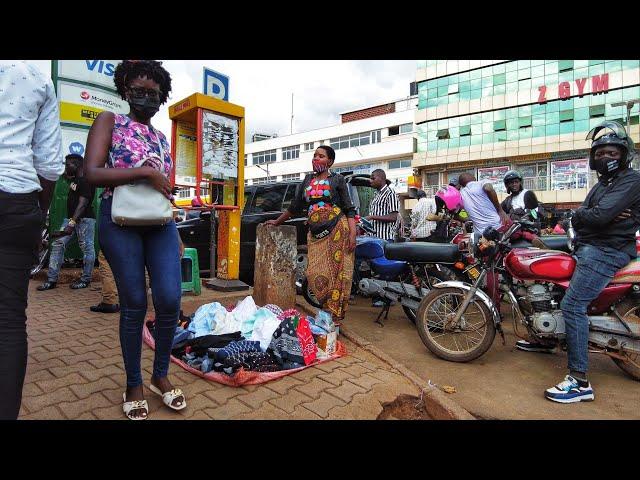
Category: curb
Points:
column 437, row 404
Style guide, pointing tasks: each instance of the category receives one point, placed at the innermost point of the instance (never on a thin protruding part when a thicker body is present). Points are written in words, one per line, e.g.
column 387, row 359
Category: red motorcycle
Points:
column 458, row 321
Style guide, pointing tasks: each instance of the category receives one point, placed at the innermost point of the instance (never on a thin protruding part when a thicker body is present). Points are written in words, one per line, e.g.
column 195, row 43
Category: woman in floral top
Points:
column 116, row 144
column 331, row 240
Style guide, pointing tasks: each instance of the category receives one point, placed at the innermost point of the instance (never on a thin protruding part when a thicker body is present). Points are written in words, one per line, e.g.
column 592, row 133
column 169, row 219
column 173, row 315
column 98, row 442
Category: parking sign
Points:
column 215, row 84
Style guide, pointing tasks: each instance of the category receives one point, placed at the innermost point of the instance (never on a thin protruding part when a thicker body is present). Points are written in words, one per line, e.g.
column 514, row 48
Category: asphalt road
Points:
column 504, row 383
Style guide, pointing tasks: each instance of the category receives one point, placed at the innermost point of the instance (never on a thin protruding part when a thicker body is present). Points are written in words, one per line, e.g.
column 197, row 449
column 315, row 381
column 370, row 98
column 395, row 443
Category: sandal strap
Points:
column 173, row 394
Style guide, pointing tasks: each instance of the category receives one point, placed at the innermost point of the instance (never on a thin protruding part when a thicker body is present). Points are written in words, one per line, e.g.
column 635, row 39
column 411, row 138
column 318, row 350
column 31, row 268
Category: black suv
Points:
column 262, row 203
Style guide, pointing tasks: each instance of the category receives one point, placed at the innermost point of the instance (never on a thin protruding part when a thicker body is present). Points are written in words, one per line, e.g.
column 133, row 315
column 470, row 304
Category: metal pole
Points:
column 212, row 244
column 291, row 113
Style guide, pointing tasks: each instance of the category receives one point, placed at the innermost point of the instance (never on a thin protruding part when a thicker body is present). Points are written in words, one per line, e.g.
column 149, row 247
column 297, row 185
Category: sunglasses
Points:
column 140, row 92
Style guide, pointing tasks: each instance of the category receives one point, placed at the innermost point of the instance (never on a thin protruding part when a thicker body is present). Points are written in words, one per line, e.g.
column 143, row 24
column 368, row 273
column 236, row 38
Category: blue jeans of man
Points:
column 129, row 250
column 595, row 268
column 85, row 231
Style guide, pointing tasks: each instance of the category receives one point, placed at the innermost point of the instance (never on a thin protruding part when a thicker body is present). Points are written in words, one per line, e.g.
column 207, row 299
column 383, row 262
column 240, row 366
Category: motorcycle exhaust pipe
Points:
column 391, row 290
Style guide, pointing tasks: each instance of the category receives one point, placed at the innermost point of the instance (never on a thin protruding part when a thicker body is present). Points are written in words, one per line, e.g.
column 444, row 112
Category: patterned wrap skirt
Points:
column 330, row 265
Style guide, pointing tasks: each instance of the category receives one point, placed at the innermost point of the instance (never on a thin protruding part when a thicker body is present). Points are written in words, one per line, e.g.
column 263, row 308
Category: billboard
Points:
column 74, row 140
column 568, row 174
column 219, row 146
column 80, row 104
column 95, row 72
column 495, row 175
column 185, row 149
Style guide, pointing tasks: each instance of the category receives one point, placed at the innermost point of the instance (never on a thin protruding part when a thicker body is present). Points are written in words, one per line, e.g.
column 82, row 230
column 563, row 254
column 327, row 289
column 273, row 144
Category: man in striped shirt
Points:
column 384, row 208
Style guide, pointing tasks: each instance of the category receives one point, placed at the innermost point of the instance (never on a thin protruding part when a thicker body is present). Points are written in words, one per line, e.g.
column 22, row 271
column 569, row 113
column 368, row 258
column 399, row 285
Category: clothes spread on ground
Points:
column 200, row 345
column 214, row 319
column 266, row 339
column 292, row 341
column 264, row 325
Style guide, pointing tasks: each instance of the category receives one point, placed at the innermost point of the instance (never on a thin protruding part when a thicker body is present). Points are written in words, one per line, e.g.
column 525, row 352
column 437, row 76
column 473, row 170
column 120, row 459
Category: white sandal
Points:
column 127, row 407
column 169, row 397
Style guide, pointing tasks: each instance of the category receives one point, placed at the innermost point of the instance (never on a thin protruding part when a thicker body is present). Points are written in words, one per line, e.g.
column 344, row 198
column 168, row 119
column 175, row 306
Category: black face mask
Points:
column 144, row 107
column 607, row 165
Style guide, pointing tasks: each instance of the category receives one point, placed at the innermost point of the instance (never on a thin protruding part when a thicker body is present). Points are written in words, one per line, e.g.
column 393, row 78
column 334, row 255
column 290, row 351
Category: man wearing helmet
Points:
column 605, row 225
column 520, row 199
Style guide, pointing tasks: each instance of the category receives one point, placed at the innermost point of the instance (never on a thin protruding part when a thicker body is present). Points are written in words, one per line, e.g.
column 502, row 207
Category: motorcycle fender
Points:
column 480, row 294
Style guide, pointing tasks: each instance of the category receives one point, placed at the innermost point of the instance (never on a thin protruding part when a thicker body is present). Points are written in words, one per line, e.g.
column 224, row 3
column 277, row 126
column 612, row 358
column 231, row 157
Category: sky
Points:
column 321, row 89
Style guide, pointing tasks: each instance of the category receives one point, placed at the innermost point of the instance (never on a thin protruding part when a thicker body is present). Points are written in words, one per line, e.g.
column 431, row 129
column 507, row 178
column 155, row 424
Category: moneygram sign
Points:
column 80, row 105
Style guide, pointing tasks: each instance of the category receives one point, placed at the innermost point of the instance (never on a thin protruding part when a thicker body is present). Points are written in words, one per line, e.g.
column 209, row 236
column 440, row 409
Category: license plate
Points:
column 473, row 272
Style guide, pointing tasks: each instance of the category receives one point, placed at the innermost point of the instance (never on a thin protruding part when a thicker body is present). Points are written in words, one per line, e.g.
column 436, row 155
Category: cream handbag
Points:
column 140, row 204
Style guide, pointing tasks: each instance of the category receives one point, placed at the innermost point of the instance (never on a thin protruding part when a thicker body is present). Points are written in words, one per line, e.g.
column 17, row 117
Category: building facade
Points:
column 379, row 136
column 488, row 116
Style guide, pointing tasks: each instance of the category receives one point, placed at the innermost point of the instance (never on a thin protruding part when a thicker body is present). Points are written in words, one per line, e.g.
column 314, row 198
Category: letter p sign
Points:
column 215, row 84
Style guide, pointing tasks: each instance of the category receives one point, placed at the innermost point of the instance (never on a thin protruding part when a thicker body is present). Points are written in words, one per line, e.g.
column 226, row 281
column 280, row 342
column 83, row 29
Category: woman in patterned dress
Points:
column 331, row 239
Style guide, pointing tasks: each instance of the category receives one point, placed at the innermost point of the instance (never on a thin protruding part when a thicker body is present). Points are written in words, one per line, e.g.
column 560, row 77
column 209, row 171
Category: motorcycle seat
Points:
column 422, row 252
column 554, row 242
column 387, row 269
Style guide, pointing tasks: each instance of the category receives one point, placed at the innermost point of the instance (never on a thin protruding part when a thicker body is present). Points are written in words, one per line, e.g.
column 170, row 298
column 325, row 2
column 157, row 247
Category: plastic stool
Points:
column 190, row 271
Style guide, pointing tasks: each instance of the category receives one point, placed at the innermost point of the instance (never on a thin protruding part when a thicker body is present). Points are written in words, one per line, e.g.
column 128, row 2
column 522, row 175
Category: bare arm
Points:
column 286, row 215
column 493, row 196
column 45, row 195
column 83, row 203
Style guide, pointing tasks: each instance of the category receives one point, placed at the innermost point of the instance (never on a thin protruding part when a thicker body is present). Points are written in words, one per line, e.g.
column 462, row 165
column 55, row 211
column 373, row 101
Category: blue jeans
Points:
column 595, row 268
column 128, row 250
column 85, row 231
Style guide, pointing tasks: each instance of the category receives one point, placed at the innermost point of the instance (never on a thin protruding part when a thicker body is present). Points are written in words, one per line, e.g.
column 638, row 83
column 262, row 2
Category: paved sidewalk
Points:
column 75, row 371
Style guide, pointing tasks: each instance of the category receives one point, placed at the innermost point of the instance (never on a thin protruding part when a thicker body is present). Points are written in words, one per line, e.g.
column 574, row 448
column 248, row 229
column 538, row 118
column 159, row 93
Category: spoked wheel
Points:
column 435, row 276
column 630, row 312
column 309, row 296
column 463, row 341
column 43, row 255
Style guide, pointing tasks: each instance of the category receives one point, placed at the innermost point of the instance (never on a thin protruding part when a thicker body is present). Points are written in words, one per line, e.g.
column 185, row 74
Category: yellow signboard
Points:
column 81, row 114
column 185, row 149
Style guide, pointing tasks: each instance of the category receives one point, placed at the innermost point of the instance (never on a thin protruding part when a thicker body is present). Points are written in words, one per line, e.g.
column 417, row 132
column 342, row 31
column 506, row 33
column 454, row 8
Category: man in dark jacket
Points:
column 605, row 225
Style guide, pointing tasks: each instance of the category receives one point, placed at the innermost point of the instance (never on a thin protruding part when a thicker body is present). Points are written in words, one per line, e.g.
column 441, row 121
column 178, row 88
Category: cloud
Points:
column 321, row 89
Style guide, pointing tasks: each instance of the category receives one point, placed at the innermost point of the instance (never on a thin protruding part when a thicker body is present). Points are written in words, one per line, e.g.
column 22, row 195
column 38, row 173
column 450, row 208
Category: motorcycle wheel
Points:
column 43, row 255
column 309, row 295
column 630, row 312
column 454, row 344
column 439, row 275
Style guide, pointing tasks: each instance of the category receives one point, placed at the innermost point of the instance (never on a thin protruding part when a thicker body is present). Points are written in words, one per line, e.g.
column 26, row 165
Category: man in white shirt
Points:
column 421, row 228
column 480, row 201
column 30, row 163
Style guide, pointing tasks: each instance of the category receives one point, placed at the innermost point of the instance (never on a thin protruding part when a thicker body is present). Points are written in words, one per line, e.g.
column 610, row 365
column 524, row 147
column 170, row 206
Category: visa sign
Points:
column 96, row 72
column 101, row 67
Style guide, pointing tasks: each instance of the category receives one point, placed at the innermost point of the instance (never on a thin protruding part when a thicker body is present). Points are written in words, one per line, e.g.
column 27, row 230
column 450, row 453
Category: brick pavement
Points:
column 75, row 371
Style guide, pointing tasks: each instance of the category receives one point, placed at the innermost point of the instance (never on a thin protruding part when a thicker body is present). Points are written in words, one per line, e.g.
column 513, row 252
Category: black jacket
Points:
column 339, row 195
column 593, row 221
